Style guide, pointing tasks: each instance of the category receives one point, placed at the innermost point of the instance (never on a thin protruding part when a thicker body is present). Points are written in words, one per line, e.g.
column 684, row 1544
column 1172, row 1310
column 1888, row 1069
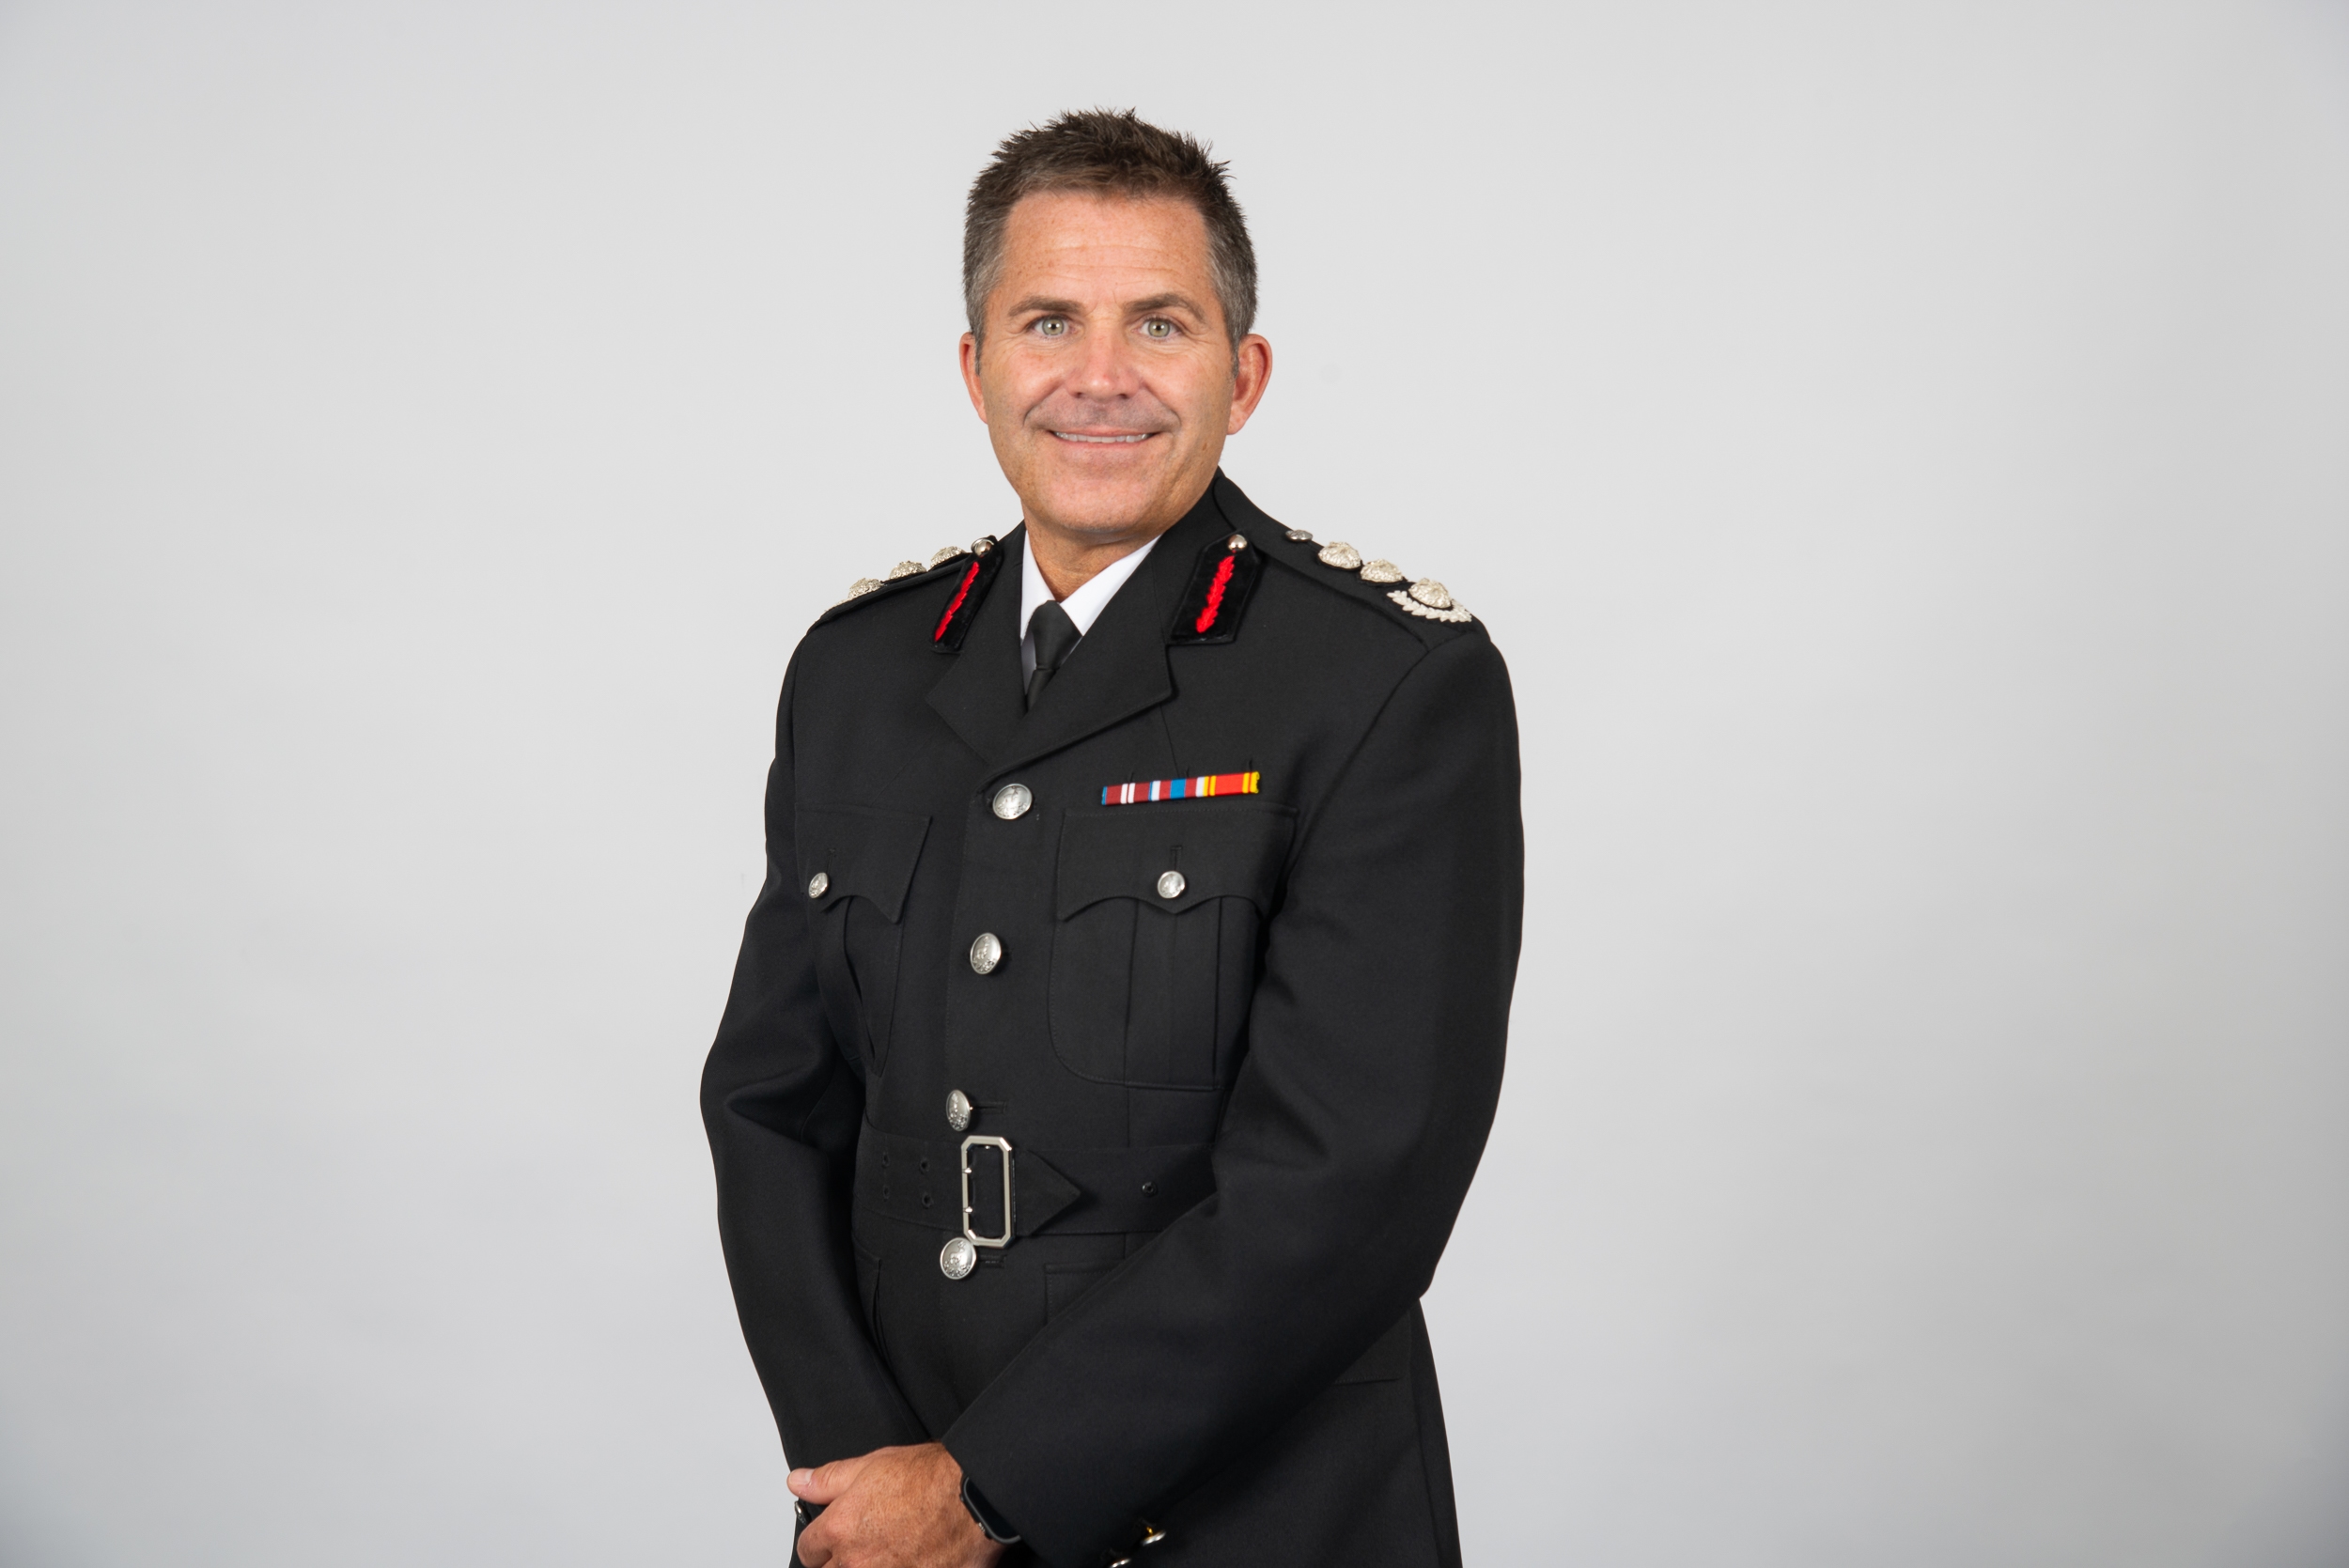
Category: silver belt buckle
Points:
column 1003, row 1145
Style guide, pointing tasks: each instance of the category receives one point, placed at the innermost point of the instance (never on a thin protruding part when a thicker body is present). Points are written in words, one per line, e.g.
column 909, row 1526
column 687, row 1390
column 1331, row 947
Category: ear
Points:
column 1251, row 372
column 970, row 375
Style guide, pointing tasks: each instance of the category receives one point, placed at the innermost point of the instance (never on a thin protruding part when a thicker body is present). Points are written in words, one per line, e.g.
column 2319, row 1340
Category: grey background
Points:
column 1903, row 452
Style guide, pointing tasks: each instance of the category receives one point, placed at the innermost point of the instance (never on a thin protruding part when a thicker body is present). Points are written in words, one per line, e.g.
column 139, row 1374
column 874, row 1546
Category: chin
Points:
column 1104, row 501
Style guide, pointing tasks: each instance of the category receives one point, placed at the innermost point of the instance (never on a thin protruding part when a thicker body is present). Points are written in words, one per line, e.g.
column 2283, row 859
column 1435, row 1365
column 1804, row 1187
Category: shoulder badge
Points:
column 979, row 564
column 1426, row 597
column 1217, row 595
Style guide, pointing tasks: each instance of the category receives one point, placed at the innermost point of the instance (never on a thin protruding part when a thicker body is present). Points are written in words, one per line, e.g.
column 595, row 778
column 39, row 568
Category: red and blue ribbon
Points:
column 1180, row 789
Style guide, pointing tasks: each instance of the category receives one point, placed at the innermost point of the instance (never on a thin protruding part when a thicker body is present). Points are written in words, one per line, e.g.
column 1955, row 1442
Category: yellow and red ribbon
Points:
column 1180, row 789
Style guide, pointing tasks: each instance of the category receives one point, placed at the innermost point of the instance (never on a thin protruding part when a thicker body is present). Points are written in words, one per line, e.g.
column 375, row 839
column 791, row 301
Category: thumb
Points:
column 825, row 1482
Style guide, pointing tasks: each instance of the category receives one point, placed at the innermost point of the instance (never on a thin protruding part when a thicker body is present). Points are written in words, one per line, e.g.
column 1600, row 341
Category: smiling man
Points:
column 1119, row 1025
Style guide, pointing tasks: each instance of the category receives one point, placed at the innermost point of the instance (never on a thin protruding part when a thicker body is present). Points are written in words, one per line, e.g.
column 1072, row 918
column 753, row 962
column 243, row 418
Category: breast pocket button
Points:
column 1171, row 884
column 818, row 883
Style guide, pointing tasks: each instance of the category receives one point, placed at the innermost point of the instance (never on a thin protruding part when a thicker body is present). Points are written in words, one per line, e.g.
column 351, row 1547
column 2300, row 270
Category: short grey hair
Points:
column 1114, row 152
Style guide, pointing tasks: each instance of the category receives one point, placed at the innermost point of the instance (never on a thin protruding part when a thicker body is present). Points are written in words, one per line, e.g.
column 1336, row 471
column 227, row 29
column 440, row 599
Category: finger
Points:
column 816, row 1542
column 826, row 1482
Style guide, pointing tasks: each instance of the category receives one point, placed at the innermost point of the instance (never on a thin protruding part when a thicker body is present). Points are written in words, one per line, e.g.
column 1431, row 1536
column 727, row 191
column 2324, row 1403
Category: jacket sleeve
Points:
column 782, row 1104
column 1353, row 1130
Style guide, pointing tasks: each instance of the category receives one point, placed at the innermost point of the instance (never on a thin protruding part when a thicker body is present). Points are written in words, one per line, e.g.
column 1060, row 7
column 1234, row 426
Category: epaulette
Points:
column 1425, row 597
column 972, row 568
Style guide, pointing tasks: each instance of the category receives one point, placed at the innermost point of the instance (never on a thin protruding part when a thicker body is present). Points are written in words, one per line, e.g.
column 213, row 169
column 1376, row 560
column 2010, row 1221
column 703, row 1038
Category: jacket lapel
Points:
column 1117, row 671
column 980, row 696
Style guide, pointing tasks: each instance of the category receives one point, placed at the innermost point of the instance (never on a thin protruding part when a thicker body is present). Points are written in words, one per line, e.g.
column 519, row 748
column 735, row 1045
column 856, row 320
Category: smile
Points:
column 1106, row 441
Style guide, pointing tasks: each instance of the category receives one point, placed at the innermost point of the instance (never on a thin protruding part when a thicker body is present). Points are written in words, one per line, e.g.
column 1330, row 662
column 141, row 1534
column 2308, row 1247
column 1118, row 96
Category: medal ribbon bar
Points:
column 1179, row 789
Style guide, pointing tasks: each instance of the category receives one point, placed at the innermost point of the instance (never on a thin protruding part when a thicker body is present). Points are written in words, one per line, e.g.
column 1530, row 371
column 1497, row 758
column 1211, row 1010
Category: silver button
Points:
column 958, row 1110
column 818, row 883
column 1012, row 801
column 958, row 1258
column 987, row 953
column 1171, row 884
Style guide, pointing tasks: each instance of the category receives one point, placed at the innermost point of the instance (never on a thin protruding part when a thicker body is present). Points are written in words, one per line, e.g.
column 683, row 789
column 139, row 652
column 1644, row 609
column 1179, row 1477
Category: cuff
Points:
column 997, row 1528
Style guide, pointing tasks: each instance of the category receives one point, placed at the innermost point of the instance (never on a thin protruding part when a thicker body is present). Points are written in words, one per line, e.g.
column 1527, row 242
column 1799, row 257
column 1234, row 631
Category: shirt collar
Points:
column 1085, row 606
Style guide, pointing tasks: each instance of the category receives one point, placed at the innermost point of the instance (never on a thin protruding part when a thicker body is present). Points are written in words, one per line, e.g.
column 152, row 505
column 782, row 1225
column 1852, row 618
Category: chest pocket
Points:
column 866, row 859
column 1158, row 913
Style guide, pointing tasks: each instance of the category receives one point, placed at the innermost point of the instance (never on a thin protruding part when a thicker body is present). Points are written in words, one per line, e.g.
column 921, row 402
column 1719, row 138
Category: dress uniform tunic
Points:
column 1232, row 1037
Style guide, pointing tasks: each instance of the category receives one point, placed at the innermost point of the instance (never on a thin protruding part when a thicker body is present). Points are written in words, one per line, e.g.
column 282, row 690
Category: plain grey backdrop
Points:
column 1902, row 451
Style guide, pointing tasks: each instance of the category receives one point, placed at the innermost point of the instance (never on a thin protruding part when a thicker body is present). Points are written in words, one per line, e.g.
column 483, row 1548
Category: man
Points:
column 1121, row 1021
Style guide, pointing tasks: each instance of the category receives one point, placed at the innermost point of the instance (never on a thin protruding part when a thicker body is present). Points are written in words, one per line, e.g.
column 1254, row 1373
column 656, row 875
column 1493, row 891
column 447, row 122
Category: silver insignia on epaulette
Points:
column 1338, row 554
column 944, row 554
column 860, row 587
column 1382, row 571
column 904, row 568
column 1430, row 601
column 1297, row 536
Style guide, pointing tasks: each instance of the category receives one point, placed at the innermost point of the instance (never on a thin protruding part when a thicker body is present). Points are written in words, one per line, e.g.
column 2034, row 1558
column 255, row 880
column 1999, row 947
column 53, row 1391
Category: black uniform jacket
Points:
column 1244, row 1102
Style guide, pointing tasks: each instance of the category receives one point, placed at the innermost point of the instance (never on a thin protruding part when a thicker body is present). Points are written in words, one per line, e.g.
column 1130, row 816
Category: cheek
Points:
column 1015, row 384
column 999, row 389
column 1200, row 392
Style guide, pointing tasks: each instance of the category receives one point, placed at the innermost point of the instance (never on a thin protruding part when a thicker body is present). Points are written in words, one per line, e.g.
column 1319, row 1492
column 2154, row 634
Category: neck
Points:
column 1072, row 557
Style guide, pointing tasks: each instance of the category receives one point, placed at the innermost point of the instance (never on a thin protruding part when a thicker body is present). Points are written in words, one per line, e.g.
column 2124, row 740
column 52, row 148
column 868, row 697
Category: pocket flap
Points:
column 861, row 853
column 1219, row 848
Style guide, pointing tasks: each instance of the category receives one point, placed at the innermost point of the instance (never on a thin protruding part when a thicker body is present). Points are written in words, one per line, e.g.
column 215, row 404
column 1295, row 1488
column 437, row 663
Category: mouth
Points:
column 1130, row 437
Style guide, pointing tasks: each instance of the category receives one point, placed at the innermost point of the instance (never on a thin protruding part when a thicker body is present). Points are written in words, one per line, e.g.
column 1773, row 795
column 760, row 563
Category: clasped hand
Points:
column 891, row 1507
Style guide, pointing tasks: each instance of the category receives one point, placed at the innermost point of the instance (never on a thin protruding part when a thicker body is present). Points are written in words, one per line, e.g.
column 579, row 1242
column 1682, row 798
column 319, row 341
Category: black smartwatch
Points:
column 996, row 1527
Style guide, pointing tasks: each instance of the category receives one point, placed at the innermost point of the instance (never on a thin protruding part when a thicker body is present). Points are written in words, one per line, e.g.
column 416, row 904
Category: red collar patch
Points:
column 1217, row 595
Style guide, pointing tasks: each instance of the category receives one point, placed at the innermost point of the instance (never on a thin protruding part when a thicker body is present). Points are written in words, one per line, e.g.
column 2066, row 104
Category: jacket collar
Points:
column 1117, row 671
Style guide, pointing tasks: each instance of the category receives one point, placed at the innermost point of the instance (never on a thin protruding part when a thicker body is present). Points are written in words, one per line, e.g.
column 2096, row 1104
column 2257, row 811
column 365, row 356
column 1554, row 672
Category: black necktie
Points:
column 1055, row 634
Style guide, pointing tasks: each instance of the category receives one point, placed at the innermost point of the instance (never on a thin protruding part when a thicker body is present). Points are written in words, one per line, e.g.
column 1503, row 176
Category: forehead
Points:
column 1087, row 244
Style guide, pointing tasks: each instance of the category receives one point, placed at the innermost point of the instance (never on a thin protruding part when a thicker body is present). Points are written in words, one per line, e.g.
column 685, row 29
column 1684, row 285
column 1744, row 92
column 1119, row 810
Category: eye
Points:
column 1052, row 326
column 1157, row 327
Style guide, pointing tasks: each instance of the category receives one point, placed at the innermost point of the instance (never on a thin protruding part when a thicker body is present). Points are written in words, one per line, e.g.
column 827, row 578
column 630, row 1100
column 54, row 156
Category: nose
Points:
column 1106, row 369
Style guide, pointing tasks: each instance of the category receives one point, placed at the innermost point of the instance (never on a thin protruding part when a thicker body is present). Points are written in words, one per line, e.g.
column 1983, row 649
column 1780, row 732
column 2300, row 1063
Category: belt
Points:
column 957, row 1184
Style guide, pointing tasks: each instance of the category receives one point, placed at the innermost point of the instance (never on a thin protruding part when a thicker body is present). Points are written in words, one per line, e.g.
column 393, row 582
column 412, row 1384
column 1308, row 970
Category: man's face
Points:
column 1107, row 379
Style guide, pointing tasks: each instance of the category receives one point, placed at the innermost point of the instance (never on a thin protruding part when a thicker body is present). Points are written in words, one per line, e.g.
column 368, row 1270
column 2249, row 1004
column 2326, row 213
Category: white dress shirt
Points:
column 1085, row 606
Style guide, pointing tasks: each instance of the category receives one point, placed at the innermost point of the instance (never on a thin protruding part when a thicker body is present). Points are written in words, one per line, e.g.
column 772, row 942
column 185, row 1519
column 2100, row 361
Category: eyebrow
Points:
column 1165, row 301
column 1037, row 302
